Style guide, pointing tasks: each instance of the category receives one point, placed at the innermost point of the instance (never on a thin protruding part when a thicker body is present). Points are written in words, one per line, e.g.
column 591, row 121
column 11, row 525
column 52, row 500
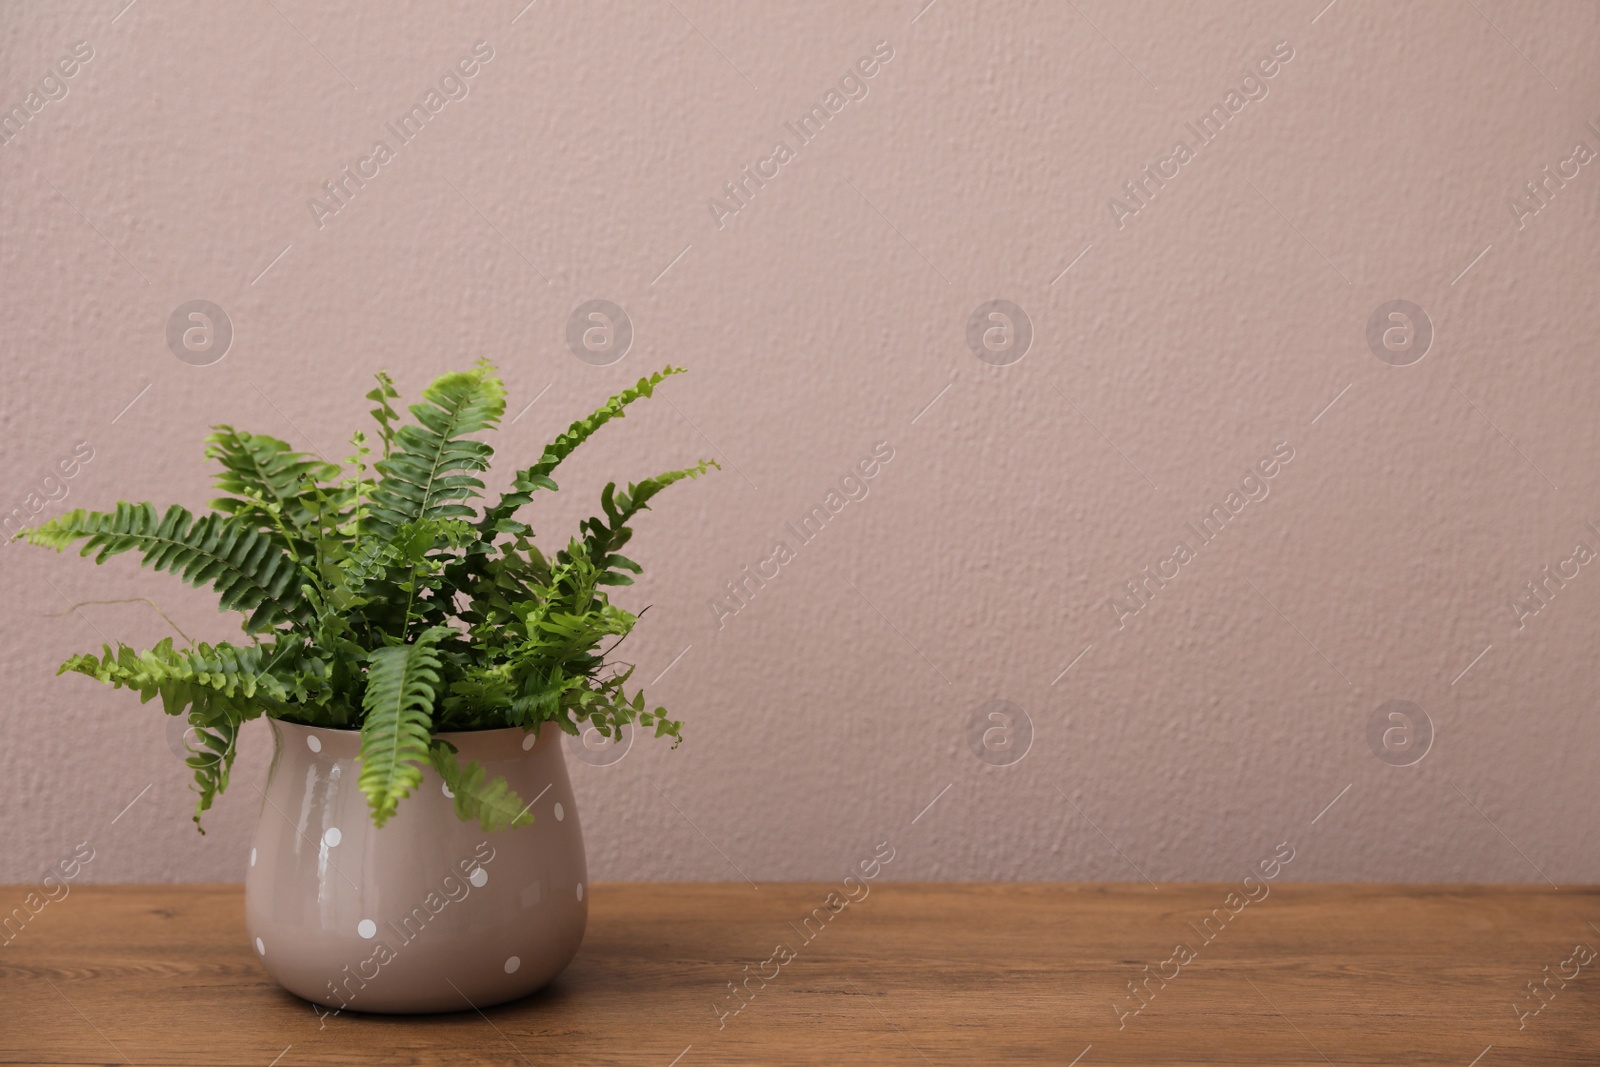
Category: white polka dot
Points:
column 559, row 813
column 262, row 949
column 512, row 964
column 580, row 890
column 367, row 929
column 444, row 788
column 252, row 857
column 479, row 877
column 333, row 836
column 527, row 743
column 312, row 743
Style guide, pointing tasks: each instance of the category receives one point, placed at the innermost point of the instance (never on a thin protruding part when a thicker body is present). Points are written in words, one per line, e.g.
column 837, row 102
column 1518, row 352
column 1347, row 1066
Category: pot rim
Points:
column 447, row 735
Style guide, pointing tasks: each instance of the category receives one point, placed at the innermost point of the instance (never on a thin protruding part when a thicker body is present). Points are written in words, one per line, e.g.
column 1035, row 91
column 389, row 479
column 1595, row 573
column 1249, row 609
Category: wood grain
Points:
column 913, row 974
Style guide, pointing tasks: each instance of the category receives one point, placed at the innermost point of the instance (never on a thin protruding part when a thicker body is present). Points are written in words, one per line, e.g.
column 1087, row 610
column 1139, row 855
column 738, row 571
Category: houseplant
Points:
column 398, row 637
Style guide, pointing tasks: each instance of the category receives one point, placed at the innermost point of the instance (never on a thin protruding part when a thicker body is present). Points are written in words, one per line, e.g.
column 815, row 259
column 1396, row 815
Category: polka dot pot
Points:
column 430, row 913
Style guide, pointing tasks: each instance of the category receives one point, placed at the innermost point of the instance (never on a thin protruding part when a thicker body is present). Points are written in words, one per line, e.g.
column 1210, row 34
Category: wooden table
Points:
column 913, row 974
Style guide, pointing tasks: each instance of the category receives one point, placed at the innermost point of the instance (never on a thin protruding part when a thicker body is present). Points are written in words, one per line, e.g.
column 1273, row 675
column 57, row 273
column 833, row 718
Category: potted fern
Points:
column 403, row 646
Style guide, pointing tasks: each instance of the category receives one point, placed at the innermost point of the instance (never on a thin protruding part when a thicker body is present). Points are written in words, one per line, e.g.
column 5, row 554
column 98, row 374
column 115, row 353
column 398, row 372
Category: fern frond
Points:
column 432, row 465
column 213, row 761
column 248, row 568
column 384, row 414
column 183, row 677
column 495, row 584
column 491, row 801
column 612, row 709
column 498, row 518
column 216, row 687
column 269, row 480
column 602, row 537
column 570, row 701
column 395, row 733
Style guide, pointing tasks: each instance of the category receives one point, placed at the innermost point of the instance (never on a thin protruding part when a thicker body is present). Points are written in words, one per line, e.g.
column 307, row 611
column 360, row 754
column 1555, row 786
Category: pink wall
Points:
column 1174, row 346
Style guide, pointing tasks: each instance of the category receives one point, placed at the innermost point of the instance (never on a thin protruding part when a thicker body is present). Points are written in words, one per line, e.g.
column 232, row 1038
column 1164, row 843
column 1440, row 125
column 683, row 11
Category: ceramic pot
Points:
column 429, row 913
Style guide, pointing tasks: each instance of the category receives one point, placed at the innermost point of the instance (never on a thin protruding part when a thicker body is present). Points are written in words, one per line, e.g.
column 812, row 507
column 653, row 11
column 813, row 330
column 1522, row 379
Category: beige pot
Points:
column 429, row 913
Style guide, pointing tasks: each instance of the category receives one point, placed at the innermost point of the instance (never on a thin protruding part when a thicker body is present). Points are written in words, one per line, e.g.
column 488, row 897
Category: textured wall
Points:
column 1183, row 344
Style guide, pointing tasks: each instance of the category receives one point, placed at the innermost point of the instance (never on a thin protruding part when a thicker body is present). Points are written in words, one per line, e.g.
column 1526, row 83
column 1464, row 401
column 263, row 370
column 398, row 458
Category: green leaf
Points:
column 537, row 476
column 269, row 481
column 602, row 537
column 249, row 570
column 384, row 414
column 217, row 687
column 490, row 801
column 398, row 704
column 213, row 760
column 183, row 678
column 431, row 468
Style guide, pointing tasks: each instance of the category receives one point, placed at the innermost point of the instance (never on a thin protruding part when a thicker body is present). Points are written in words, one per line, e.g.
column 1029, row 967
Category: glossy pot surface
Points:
column 429, row 913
